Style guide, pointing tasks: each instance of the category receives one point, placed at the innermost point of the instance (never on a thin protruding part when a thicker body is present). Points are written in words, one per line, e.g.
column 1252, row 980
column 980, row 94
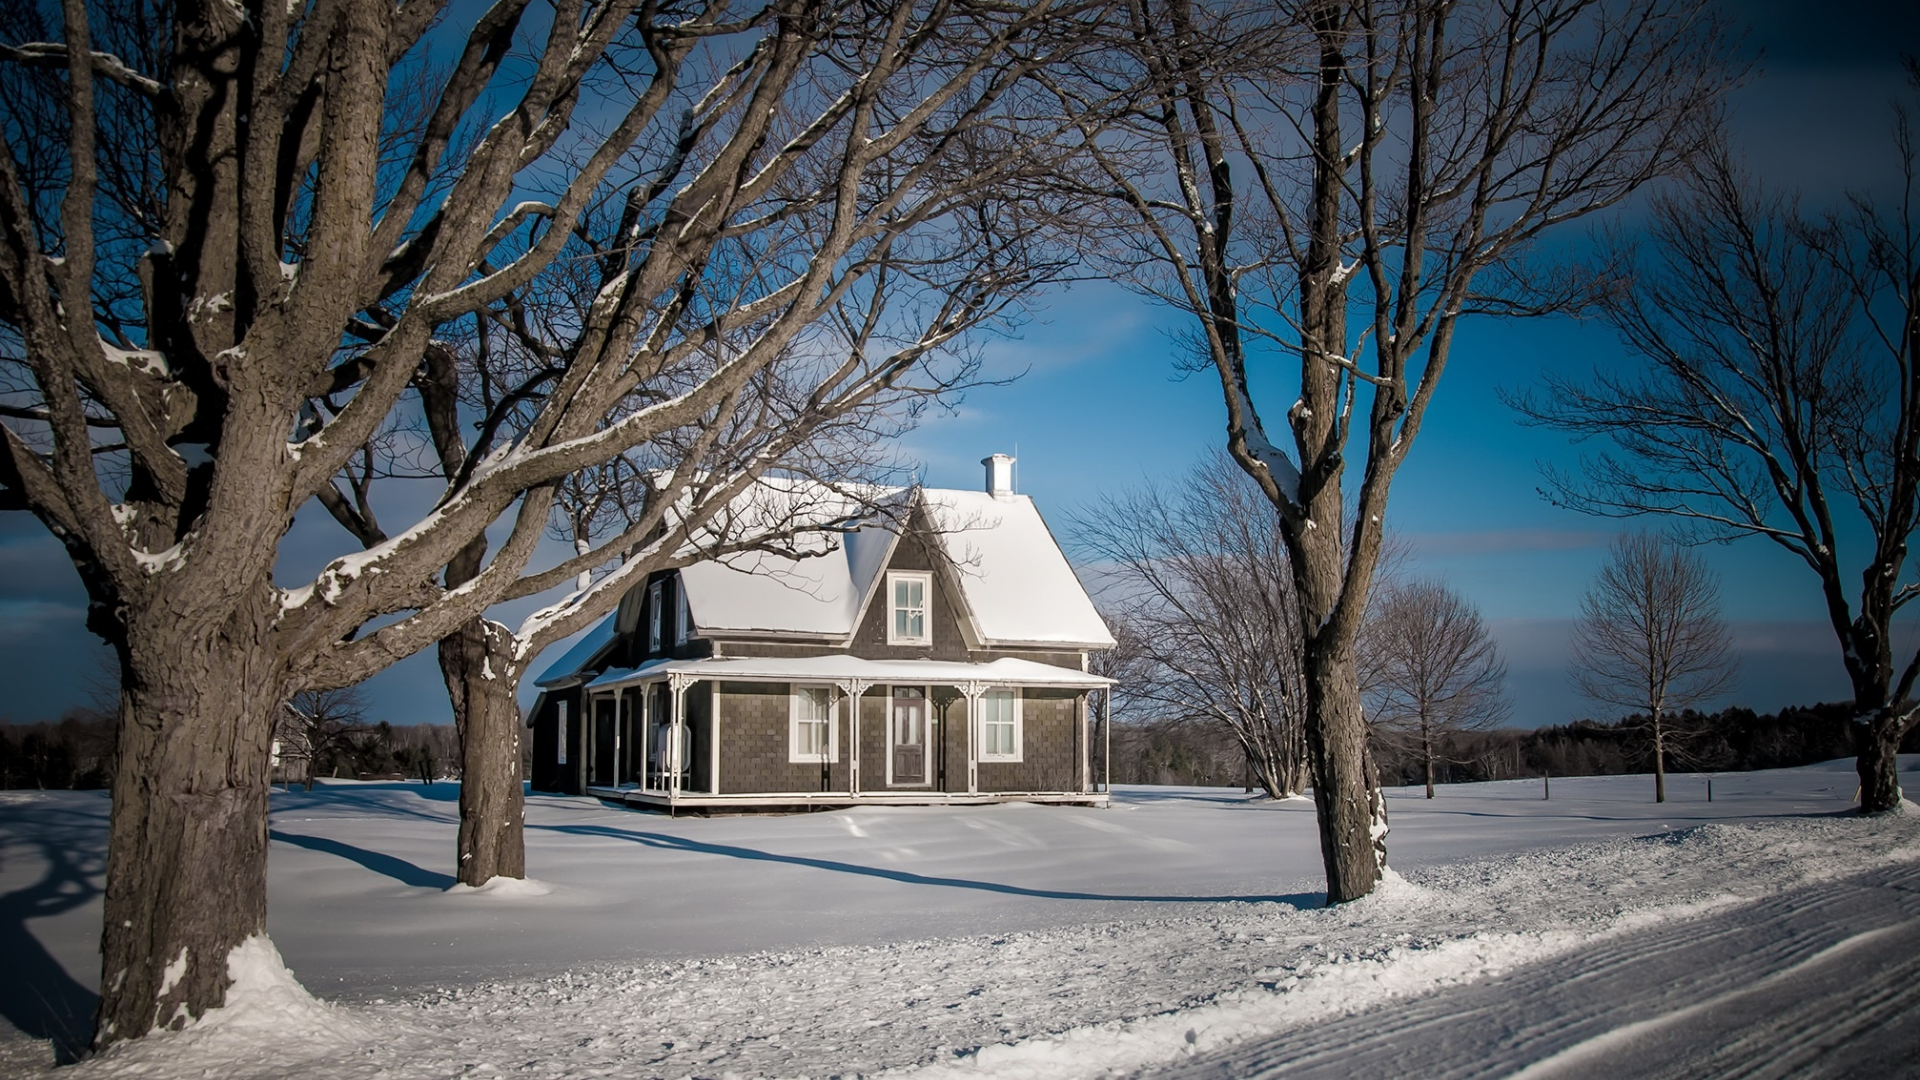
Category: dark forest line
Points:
column 1730, row 740
column 77, row 752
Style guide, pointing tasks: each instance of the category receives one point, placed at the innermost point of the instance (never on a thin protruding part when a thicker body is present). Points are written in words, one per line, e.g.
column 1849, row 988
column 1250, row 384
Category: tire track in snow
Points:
column 1819, row 981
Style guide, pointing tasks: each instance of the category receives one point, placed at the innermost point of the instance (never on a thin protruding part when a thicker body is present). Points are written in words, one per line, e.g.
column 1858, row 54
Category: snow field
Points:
column 1119, row 954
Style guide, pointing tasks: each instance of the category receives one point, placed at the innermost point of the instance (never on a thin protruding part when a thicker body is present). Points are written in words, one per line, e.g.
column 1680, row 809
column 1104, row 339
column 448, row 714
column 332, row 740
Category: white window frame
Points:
column 1019, row 725
column 655, row 615
column 794, row 719
column 560, row 725
column 926, row 607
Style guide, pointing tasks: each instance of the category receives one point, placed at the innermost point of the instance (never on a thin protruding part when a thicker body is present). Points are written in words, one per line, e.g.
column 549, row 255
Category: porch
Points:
column 813, row 732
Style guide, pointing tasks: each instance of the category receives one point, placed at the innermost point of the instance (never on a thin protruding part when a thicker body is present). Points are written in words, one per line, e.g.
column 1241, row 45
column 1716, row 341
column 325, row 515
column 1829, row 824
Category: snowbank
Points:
column 270, row 1026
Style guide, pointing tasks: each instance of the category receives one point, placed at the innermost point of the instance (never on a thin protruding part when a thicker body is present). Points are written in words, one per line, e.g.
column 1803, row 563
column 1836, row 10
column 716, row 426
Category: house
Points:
column 940, row 660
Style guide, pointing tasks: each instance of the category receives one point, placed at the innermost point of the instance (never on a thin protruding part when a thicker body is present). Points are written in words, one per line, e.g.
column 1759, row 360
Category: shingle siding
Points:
column 755, row 738
column 1050, row 742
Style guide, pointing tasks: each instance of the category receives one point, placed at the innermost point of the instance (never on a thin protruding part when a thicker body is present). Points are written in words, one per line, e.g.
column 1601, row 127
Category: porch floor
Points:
column 832, row 800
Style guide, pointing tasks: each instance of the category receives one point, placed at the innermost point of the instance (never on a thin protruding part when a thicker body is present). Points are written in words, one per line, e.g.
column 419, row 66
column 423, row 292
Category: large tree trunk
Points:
column 1659, row 759
column 1879, row 722
column 1877, row 748
column 1331, row 589
column 1878, row 765
column 187, row 842
column 1351, row 813
column 1426, row 752
column 483, row 684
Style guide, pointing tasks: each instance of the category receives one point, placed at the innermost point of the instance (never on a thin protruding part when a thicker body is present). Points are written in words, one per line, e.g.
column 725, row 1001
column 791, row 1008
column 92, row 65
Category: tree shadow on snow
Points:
column 379, row 862
column 734, row 851
column 1651, row 814
column 37, row 995
column 1214, row 797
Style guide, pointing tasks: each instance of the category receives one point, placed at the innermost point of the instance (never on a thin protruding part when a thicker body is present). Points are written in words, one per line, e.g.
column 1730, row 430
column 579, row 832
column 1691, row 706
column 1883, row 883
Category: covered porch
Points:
column 829, row 731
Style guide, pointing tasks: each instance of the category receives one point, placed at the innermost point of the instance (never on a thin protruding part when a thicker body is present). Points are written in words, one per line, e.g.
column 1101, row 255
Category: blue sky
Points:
column 1099, row 407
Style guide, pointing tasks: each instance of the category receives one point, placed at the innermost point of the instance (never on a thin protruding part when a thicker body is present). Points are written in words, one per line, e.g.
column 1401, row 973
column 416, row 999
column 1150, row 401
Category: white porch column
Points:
column 647, row 723
column 854, row 689
column 1086, row 750
column 678, row 684
column 617, row 696
column 973, row 690
column 713, row 737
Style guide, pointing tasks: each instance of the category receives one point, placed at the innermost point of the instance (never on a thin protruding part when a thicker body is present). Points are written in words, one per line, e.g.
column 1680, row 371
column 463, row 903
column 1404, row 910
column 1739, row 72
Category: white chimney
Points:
column 999, row 475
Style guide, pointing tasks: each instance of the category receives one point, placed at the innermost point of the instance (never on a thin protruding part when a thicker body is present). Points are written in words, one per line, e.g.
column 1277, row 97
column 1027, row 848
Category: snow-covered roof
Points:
column 583, row 653
column 1014, row 580
column 817, row 592
column 1014, row 584
column 1006, row 671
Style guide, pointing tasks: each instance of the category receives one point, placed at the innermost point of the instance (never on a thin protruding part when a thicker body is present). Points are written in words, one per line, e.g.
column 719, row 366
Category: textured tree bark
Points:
column 1879, row 722
column 1426, row 752
column 187, row 880
column 1659, row 758
column 1878, row 765
column 1351, row 813
column 483, row 683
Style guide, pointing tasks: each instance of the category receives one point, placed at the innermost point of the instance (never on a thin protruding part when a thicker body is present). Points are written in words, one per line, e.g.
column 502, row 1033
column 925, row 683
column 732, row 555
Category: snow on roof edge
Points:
column 583, row 652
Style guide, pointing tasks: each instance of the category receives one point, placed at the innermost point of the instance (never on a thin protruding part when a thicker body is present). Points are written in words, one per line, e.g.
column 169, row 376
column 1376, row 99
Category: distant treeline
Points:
column 1204, row 755
column 1731, row 740
column 77, row 752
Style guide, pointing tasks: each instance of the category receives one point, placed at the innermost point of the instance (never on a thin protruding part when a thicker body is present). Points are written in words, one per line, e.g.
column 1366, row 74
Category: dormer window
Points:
column 682, row 615
column 654, row 617
column 908, row 592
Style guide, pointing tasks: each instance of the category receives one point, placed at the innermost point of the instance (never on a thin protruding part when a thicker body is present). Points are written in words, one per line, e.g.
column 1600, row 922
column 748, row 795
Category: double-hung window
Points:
column 654, row 617
column 908, row 593
column 682, row 615
column 812, row 735
column 1000, row 725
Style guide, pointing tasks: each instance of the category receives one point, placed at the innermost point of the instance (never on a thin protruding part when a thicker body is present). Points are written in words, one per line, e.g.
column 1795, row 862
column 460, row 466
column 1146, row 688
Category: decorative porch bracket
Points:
column 853, row 689
column 677, row 683
column 973, row 690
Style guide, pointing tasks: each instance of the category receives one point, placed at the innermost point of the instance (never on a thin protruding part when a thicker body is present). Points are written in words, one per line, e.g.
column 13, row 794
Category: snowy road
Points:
column 1819, row 981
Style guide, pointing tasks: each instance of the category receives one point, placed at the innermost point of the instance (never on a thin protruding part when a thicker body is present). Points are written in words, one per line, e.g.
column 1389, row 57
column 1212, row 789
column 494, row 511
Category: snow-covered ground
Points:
column 1177, row 932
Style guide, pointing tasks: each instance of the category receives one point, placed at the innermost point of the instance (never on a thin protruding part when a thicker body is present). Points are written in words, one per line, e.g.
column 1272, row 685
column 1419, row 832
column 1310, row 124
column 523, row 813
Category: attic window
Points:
column 907, row 593
column 654, row 616
column 682, row 616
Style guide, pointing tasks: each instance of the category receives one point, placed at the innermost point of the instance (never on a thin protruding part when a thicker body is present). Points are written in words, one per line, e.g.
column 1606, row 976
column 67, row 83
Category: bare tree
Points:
column 1196, row 582
column 233, row 239
column 1428, row 669
column 1650, row 637
column 1333, row 185
column 326, row 725
column 1779, row 398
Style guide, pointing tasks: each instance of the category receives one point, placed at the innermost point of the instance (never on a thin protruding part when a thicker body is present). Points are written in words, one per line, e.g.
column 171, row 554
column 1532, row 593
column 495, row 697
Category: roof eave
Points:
column 1009, row 643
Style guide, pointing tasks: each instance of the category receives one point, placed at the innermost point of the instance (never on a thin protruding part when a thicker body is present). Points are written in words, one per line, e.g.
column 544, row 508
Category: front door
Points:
column 908, row 732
